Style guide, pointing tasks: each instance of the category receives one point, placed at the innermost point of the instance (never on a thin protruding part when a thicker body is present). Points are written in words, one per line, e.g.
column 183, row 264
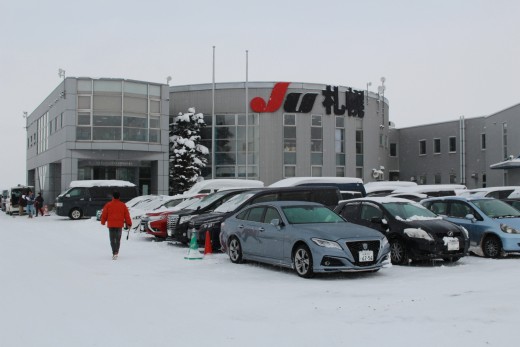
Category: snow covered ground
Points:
column 59, row 287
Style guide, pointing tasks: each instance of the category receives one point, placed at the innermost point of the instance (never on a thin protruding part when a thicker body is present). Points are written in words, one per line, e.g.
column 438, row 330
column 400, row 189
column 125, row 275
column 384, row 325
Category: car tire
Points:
column 302, row 261
column 235, row 251
column 492, row 247
column 398, row 252
column 75, row 214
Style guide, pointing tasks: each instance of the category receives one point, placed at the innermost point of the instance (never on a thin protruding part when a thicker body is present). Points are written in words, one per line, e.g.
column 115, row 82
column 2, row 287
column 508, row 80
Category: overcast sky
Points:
column 441, row 59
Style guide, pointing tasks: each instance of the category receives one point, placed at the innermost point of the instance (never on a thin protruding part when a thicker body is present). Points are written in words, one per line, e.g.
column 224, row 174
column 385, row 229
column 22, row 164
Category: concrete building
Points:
column 99, row 129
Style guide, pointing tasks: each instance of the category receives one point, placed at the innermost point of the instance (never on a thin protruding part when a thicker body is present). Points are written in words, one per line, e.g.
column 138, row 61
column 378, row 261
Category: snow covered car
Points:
column 305, row 236
column 414, row 232
column 493, row 225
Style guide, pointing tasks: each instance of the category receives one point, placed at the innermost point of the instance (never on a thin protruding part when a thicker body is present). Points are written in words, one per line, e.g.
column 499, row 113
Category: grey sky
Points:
column 441, row 59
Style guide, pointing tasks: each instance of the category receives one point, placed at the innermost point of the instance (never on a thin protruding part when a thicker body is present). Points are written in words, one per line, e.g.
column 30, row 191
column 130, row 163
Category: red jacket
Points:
column 116, row 213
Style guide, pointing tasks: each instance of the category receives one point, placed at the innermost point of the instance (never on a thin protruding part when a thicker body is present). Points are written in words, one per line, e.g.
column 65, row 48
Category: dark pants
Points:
column 115, row 239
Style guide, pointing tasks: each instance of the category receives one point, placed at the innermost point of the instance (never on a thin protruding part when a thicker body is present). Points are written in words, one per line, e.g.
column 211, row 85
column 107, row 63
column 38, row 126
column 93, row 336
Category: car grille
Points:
column 357, row 246
column 172, row 223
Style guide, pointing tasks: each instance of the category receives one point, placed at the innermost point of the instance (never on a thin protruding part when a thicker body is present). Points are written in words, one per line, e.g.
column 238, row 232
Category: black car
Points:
column 178, row 222
column 414, row 232
column 210, row 222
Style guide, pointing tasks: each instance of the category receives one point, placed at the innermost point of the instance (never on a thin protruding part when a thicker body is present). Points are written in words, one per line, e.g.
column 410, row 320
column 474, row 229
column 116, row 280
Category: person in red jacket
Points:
column 115, row 215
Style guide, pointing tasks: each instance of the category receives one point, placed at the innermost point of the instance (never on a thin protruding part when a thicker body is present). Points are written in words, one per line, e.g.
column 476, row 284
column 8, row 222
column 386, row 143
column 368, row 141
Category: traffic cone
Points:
column 193, row 252
column 207, row 244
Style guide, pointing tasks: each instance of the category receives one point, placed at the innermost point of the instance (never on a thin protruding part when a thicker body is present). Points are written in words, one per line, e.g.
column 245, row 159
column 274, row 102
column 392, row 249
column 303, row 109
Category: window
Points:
column 316, row 171
column 270, row 214
column 368, row 212
column 340, row 141
column 359, row 147
column 316, row 141
column 437, row 178
column 289, row 139
column 452, row 144
column 350, row 212
column 422, row 147
column 289, row 171
column 504, row 140
column 459, row 209
column 393, row 149
column 453, row 178
column 482, row 141
column 436, row 146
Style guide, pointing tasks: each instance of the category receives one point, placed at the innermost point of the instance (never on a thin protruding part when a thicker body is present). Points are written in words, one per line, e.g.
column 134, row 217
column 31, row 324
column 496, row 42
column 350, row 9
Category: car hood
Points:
column 433, row 226
column 512, row 222
column 338, row 231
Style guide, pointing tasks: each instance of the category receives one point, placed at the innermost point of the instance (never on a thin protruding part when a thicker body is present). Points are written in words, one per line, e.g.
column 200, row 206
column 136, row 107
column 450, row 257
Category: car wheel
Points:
column 492, row 247
column 75, row 214
column 398, row 252
column 235, row 251
column 302, row 261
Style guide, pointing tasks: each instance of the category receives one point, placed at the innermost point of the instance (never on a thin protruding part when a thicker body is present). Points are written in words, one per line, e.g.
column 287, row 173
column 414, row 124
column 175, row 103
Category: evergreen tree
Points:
column 187, row 155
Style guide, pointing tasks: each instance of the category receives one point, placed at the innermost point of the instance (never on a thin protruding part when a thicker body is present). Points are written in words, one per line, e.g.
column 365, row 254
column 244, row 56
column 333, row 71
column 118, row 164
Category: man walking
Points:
column 116, row 214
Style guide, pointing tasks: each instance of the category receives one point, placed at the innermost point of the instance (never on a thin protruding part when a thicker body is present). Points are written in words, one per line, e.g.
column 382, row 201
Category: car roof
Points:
column 461, row 198
column 379, row 199
column 286, row 203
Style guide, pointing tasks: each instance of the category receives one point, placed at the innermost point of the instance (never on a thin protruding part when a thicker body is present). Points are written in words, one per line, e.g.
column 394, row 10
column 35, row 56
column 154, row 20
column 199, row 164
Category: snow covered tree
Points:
column 187, row 155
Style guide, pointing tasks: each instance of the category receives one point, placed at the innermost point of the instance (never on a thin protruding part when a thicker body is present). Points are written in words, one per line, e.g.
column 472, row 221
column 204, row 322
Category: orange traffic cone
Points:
column 207, row 244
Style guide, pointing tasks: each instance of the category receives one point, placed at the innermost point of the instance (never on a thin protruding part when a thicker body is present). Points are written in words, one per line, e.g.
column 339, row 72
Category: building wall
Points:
column 57, row 153
column 230, row 98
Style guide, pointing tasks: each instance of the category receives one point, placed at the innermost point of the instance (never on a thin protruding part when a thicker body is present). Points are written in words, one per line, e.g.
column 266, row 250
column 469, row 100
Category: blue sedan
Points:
column 493, row 225
column 307, row 237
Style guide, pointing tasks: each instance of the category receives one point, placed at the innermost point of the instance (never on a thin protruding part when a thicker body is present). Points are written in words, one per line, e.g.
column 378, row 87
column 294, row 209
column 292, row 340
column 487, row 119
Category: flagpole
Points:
column 213, row 121
column 247, row 113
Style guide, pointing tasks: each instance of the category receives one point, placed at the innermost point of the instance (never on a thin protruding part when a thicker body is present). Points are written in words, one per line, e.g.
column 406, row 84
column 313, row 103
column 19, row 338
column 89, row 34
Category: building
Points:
column 99, row 129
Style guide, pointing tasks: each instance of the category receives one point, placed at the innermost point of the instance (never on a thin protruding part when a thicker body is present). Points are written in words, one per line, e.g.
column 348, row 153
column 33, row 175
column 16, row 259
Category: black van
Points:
column 328, row 196
column 88, row 197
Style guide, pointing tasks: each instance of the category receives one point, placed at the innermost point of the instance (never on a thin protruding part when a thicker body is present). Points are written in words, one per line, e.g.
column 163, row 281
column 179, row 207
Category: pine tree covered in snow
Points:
column 187, row 155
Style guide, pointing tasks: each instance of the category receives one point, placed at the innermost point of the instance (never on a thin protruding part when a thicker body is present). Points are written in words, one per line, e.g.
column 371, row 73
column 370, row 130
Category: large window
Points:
column 453, row 144
column 118, row 111
column 316, row 145
column 340, row 146
column 393, row 149
column 289, row 139
column 422, row 147
column 436, row 146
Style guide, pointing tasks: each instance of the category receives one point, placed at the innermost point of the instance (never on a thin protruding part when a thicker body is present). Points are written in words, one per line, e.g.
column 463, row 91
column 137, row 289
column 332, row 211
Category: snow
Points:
column 61, row 288
column 101, row 183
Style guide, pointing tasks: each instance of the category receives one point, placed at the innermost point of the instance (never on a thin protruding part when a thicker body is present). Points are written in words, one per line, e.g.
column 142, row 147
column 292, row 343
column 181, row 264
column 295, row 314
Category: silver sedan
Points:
column 307, row 237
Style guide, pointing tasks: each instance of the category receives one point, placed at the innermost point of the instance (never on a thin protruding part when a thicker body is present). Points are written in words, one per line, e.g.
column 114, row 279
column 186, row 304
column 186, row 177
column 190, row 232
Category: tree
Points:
column 187, row 155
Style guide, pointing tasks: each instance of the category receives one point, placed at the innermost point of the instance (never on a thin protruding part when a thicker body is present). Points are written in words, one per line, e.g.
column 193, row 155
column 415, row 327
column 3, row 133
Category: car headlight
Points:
column 383, row 243
column 418, row 234
column 154, row 218
column 507, row 229
column 326, row 243
column 207, row 226
column 184, row 219
column 465, row 232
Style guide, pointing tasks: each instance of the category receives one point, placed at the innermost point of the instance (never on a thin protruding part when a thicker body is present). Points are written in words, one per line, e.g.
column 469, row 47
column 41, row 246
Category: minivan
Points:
column 349, row 187
column 84, row 198
column 210, row 222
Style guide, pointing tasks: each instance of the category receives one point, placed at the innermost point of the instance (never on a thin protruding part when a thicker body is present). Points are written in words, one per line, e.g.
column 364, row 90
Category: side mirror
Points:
column 276, row 222
column 471, row 217
column 67, row 195
column 378, row 220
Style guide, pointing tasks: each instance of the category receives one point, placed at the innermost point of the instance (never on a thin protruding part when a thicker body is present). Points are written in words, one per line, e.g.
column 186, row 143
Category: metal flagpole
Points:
column 213, row 121
column 247, row 114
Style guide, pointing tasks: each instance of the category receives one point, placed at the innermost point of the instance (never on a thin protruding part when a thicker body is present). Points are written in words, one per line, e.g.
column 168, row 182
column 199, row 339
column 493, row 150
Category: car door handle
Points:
column 240, row 227
column 261, row 229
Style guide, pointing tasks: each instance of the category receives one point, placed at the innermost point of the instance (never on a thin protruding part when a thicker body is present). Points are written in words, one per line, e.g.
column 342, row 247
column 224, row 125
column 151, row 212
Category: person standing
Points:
column 38, row 204
column 22, row 202
column 30, row 204
column 115, row 214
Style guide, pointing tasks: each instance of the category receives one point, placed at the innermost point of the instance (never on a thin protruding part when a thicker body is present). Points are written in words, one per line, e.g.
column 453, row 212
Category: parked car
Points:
column 349, row 187
column 14, row 196
column 214, row 185
column 307, row 237
column 513, row 202
column 156, row 222
column 414, row 232
column 85, row 198
column 494, row 192
column 210, row 222
column 178, row 222
column 433, row 190
column 493, row 225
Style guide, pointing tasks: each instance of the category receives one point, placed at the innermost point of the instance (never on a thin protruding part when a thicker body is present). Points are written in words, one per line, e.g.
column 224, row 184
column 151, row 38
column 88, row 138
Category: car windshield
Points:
column 208, row 200
column 496, row 209
column 310, row 214
column 234, row 202
column 187, row 203
column 408, row 211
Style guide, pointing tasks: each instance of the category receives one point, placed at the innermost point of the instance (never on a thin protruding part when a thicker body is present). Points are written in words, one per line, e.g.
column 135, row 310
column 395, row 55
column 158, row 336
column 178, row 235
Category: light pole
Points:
column 168, row 79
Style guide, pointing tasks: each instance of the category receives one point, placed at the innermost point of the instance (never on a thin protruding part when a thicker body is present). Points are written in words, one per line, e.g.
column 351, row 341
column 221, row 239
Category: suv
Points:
column 178, row 222
column 413, row 231
column 493, row 225
column 210, row 222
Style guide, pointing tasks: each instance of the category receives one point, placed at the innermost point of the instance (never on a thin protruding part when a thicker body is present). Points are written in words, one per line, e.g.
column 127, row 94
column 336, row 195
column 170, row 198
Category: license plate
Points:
column 366, row 256
column 452, row 243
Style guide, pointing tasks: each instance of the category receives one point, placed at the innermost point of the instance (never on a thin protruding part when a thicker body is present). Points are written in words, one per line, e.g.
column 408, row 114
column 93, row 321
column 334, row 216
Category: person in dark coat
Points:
column 38, row 204
column 115, row 214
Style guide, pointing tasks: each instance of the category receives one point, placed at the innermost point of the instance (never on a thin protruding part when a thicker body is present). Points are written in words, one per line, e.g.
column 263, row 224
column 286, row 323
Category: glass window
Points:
column 340, row 122
column 83, row 118
column 256, row 214
column 155, row 106
column 270, row 214
column 317, row 158
column 84, row 102
column 106, row 120
column 154, row 90
column 135, row 121
column 368, row 212
column 316, row 171
column 340, row 171
column 453, row 144
column 436, row 146
column 107, row 86
column 289, row 133
column 107, row 103
column 135, row 105
column 482, row 141
column 155, row 135
column 393, row 149
column 136, row 88
column 85, row 86
column 155, row 122
column 289, row 119
column 83, row 133
column 422, row 147
column 437, row 178
column 316, row 121
column 135, row 134
column 106, row 133
column 289, row 171
column 225, row 119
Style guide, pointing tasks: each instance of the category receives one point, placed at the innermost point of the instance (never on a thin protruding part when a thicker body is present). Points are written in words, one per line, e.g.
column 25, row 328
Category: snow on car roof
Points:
column 431, row 188
column 220, row 183
column 392, row 183
column 381, row 199
column 294, row 181
column 101, row 183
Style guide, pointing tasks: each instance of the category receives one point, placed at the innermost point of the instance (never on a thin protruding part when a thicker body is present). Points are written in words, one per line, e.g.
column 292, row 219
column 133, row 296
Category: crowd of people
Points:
column 28, row 203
